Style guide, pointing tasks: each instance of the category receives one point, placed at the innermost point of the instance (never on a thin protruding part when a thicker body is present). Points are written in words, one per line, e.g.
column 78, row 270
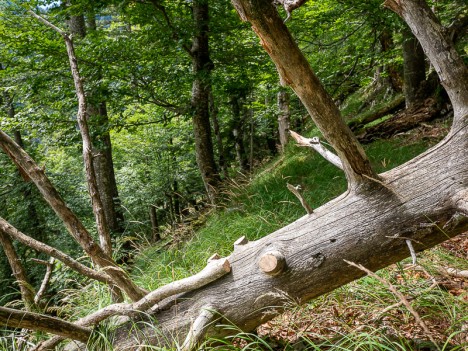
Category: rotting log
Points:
column 403, row 121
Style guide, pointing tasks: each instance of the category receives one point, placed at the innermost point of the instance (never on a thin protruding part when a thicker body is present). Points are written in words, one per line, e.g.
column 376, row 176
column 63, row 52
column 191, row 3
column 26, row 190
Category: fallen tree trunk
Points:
column 367, row 227
column 392, row 107
column 403, row 121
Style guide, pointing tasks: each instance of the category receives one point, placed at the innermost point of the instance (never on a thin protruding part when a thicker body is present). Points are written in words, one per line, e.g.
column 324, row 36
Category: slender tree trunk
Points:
column 219, row 140
column 387, row 44
column 414, row 68
column 284, row 117
column 176, row 197
column 26, row 289
column 155, row 233
column 202, row 67
column 238, row 125
column 104, row 168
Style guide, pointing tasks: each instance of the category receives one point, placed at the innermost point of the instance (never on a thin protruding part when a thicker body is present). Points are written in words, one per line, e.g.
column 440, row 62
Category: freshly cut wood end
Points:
column 214, row 257
column 227, row 265
column 272, row 263
column 241, row 241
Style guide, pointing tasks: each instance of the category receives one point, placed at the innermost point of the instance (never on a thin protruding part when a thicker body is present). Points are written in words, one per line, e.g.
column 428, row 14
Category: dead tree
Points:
column 424, row 200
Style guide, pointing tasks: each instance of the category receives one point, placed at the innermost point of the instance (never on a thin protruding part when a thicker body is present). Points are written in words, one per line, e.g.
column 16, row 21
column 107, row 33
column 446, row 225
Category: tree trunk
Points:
column 414, row 68
column 26, row 289
column 284, row 117
column 104, row 168
column 202, row 67
column 238, row 124
column 387, row 44
column 219, row 140
column 439, row 49
column 155, row 233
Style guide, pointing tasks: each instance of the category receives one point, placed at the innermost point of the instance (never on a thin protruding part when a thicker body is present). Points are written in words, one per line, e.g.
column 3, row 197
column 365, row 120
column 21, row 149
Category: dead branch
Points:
column 45, row 281
column 315, row 144
column 198, row 328
column 21, row 319
column 296, row 191
column 457, row 273
column 53, row 252
column 27, row 291
column 214, row 270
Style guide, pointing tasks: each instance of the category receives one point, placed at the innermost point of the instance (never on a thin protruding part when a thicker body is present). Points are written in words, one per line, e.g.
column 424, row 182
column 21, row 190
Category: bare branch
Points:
column 27, row 291
column 296, row 191
column 20, row 319
column 71, row 221
column 198, row 328
column 47, row 23
column 53, row 252
column 45, row 281
column 214, row 270
column 315, row 144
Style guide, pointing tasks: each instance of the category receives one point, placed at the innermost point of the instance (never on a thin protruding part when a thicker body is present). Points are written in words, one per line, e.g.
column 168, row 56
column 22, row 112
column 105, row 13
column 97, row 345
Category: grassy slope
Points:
column 346, row 318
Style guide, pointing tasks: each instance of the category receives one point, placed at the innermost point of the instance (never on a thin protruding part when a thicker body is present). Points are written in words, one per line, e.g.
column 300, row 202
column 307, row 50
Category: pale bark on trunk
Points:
column 284, row 117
